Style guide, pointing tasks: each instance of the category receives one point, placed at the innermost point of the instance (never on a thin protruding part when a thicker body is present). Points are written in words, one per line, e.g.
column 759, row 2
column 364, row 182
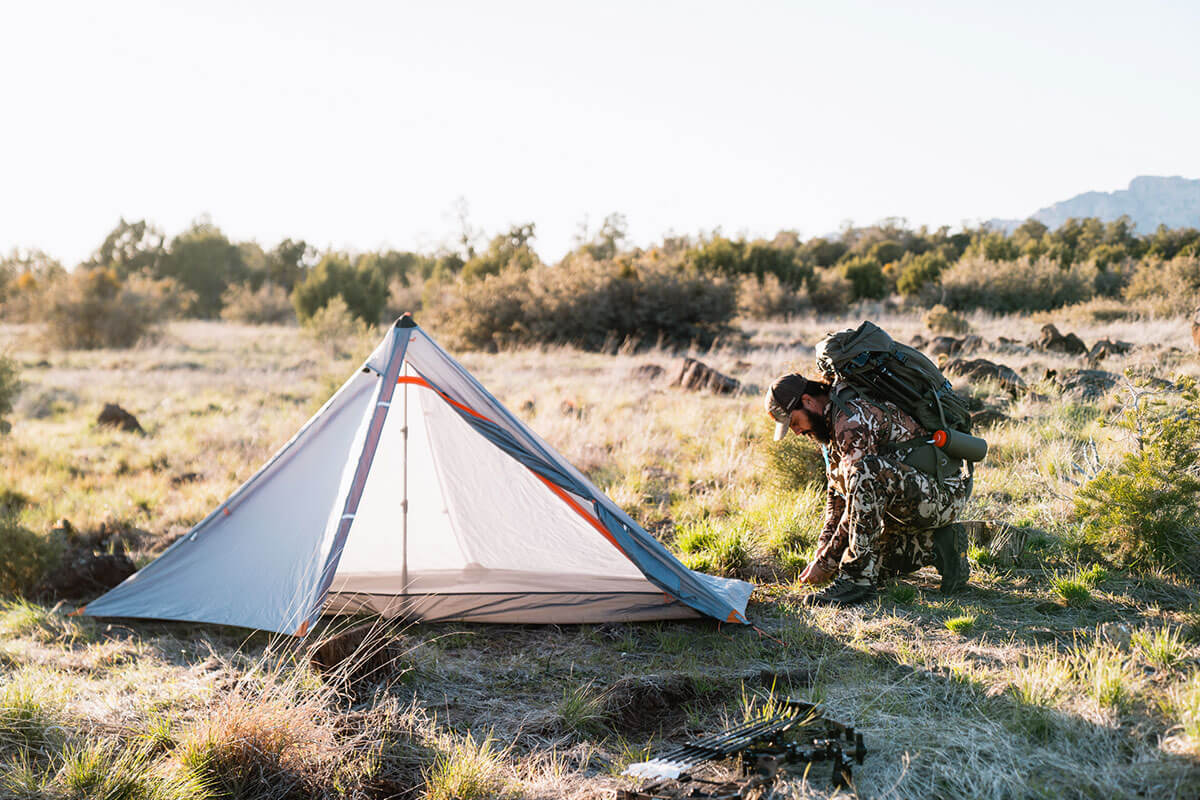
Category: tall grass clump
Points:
column 940, row 319
column 709, row 546
column 1145, row 510
column 336, row 328
column 466, row 769
column 277, row 734
column 26, row 721
column 105, row 769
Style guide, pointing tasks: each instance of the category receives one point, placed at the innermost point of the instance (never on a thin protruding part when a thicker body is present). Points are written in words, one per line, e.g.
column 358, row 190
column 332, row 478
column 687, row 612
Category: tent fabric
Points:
column 413, row 492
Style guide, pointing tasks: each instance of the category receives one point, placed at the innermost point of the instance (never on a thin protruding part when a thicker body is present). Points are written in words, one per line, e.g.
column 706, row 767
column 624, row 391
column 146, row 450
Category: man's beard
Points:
column 818, row 425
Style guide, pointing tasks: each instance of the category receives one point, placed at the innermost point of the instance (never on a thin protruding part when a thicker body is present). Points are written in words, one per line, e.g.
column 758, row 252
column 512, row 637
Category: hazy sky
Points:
column 358, row 124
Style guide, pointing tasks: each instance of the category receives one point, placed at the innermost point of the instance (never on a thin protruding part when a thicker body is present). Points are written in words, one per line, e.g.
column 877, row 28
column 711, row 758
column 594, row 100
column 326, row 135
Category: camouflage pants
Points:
column 891, row 512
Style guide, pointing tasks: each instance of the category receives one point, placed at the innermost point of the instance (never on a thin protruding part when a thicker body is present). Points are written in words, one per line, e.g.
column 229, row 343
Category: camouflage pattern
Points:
column 880, row 512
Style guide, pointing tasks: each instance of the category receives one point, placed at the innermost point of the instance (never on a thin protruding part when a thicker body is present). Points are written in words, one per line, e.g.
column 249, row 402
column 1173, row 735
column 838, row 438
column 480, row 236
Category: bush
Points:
column 794, row 462
column 920, row 272
column 334, row 326
column 24, row 556
column 830, row 292
column 1021, row 285
column 866, row 278
column 587, row 304
column 268, row 305
column 765, row 297
column 940, row 319
column 10, row 387
column 93, row 308
column 1174, row 284
column 361, row 287
column 1145, row 511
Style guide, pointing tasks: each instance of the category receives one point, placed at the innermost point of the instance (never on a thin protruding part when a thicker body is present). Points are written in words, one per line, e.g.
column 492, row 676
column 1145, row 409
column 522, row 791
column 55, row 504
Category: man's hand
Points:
column 814, row 573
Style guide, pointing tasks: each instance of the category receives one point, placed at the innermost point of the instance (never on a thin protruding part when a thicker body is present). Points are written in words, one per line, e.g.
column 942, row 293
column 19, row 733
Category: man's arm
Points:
column 828, row 540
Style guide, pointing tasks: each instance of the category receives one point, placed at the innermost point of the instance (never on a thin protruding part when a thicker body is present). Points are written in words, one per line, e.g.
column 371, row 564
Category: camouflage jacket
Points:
column 852, row 436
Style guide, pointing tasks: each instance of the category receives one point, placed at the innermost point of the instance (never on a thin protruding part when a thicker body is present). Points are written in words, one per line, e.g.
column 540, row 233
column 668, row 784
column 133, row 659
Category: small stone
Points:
column 113, row 416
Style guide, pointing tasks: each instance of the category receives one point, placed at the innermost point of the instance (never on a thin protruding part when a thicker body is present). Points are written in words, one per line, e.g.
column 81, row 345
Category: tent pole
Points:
column 404, row 500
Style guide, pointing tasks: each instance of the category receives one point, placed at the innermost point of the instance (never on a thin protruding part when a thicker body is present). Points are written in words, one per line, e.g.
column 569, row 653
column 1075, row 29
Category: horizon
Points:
column 361, row 129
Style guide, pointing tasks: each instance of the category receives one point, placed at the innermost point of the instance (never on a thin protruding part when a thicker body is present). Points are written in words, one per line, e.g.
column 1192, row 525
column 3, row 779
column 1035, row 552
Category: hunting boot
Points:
column 950, row 557
column 842, row 592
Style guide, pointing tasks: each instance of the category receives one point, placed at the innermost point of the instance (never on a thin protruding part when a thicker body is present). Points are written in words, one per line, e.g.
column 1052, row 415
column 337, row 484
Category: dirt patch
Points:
column 642, row 704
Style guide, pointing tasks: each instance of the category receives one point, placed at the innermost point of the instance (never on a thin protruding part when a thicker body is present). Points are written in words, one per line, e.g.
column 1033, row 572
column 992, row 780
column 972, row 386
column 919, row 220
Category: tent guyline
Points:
column 446, row 508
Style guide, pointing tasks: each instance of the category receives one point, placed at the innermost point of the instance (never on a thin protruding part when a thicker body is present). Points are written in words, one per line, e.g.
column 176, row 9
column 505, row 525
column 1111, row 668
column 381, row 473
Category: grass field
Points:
column 1051, row 676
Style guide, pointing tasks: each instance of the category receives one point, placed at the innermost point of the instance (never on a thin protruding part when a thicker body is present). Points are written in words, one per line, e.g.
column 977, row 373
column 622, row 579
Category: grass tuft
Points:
column 961, row 625
column 1165, row 647
column 466, row 770
column 903, row 593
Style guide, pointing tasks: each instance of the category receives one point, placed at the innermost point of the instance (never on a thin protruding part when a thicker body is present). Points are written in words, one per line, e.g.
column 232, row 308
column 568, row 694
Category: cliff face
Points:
column 1149, row 201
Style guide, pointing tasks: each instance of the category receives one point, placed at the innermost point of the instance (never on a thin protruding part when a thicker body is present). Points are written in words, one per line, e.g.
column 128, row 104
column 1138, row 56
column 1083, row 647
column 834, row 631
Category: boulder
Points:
column 1054, row 341
column 980, row 369
column 647, row 372
column 1107, row 347
column 697, row 376
column 1086, row 384
column 85, row 573
column 950, row 346
column 113, row 416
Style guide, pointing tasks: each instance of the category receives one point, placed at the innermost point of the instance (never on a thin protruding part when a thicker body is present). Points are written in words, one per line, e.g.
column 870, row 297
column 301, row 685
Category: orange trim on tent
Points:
column 77, row 611
column 303, row 629
column 595, row 523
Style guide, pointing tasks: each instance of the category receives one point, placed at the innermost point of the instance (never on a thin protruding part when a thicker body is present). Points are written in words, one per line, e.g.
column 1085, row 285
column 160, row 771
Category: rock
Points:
column 1052, row 340
column 1105, row 348
column 950, row 346
column 980, row 369
column 1086, row 384
column 84, row 573
column 919, row 342
column 185, row 477
column 113, row 416
column 647, row 372
column 987, row 418
column 697, row 376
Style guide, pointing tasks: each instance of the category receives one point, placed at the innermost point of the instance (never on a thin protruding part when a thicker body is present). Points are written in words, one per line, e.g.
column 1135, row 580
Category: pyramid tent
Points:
column 414, row 493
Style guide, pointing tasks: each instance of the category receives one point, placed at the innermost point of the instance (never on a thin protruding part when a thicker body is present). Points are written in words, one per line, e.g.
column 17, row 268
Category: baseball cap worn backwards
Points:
column 783, row 397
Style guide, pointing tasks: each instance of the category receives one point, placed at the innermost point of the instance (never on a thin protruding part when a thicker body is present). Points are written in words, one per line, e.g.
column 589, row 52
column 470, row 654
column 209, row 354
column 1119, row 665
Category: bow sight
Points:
column 799, row 734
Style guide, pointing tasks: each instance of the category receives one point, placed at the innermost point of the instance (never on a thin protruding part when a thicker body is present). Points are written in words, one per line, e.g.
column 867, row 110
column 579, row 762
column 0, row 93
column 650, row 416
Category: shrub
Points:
column 205, row 262
column 919, row 272
column 830, row 292
column 93, row 308
column 587, row 304
column 267, row 305
column 765, row 297
column 1022, row 285
column 940, row 319
column 24, row 555
column 1145, row 510
column 866, row 278
column 508, row 251
column 794, row 462
column 334, row 326
column 1174, row 284
column 10, row 387
column 362, row 288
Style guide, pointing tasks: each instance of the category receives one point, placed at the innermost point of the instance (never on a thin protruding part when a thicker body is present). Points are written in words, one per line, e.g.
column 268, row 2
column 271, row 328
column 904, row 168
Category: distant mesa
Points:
column 1149, row 201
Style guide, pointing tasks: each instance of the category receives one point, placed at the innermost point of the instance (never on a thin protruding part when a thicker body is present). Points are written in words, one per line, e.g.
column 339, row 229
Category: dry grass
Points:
column 1038, row 697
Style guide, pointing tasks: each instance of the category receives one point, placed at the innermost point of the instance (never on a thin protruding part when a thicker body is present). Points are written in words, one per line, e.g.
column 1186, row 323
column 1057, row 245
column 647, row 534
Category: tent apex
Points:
column 406, row 320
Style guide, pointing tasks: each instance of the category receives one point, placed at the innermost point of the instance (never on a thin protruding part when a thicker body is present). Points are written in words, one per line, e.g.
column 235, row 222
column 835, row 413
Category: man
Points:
column 883, row 517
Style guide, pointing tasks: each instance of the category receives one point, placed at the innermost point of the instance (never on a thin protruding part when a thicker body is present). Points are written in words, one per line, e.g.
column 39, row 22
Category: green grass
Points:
column 961, row 625
column 1164, row 647
column 581, row 709
column 902, row 593
column 465, row 770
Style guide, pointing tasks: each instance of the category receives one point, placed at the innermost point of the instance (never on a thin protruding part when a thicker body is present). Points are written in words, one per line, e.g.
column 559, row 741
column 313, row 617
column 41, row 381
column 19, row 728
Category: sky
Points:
column 365, row 125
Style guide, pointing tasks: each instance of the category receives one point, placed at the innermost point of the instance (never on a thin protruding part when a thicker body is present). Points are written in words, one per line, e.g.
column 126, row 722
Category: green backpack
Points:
column 866, row 362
